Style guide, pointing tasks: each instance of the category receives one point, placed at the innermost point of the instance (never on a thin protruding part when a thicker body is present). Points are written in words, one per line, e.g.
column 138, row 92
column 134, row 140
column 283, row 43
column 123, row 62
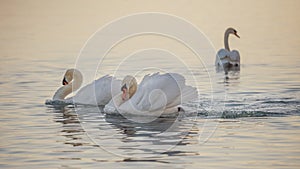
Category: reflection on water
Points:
column 133, row 139
column 131, row 128
column 87, row 121
column 71, row 127
column 231, row 74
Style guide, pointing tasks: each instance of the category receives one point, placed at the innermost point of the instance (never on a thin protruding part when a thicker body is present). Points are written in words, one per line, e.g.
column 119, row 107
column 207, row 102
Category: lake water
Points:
column 246, row 119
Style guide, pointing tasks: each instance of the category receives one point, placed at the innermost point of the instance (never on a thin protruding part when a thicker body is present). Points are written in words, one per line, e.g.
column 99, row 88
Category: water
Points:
column 257, row 127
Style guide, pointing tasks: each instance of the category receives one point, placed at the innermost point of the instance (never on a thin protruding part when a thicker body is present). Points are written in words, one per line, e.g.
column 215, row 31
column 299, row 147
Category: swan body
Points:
column 225, row 57
column 157, row 94
column 99, row 92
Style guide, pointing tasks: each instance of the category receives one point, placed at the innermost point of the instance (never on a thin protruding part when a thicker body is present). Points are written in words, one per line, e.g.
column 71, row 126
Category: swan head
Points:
column 129, row 87
column 72, row 81
column 71, row 75
column 232, row 31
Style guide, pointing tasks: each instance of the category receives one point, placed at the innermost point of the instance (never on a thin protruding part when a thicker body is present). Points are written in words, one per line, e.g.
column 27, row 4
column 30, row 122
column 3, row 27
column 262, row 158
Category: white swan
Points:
column 225, row 57
column 99, row 92
column 157, row 94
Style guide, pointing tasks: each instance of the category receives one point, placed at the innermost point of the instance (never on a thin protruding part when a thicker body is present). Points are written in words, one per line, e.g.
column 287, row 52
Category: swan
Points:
column 99, row 92
column 225, row 57
column 157, row 94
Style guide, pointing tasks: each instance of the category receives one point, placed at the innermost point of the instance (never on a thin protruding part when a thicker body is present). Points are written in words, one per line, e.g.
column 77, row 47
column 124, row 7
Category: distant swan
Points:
column 99, row 92
column 156, row 94
column 226, row 58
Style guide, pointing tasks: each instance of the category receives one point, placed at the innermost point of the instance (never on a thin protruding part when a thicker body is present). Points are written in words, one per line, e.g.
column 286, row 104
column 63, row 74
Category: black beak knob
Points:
column 64, row 82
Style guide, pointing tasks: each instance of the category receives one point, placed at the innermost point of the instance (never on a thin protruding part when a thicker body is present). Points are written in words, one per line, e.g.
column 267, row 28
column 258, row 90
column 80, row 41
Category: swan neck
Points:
column 77, row 81
column 62, row 92
column 226, row 37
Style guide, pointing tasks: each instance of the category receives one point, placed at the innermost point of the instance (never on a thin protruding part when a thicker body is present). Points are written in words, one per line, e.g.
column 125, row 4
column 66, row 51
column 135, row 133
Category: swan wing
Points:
column 222, row 57
column 99, row 92
column 235, row 56
column 158, row 92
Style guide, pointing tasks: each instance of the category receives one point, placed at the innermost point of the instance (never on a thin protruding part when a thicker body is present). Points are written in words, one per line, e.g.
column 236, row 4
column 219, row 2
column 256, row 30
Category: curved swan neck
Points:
column 77, row 81
column 65, row 90
column 226, row 36
column 62, row 92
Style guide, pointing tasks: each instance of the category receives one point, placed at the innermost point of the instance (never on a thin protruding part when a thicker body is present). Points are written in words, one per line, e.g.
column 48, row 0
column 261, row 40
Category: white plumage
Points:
column 156, row 94
column 98, row 92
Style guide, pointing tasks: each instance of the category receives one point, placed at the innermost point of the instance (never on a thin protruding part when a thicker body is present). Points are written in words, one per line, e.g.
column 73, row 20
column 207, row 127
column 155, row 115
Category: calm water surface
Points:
column 258, row 125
